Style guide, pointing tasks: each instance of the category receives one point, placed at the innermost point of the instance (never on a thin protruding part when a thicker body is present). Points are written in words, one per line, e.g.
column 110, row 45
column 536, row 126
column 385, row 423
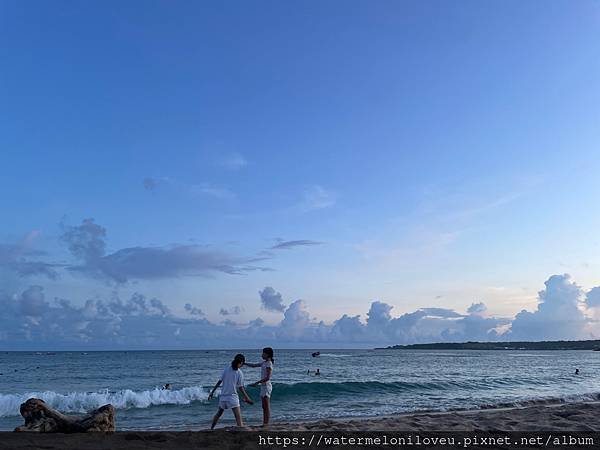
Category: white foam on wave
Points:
column 333, row 355
column 79, row 402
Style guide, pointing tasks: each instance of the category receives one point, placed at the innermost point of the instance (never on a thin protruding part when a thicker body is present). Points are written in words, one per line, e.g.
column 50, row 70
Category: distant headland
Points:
column 516, row 345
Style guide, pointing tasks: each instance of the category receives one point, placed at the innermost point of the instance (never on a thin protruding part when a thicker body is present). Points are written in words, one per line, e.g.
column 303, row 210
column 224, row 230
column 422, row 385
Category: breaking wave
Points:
column 78, row 402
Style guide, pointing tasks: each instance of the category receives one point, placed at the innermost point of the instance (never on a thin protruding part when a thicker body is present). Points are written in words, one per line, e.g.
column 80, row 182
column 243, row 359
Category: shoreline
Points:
column 546, row 415
column 568, row 416
column 555, row 418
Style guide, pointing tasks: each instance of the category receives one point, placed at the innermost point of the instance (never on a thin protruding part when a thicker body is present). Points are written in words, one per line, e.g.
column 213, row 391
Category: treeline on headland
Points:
column 517, row 345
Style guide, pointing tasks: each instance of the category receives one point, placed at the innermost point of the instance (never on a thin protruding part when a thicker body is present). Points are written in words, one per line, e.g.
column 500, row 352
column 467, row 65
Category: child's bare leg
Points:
column 238, row 416
column 216, row 418
column 266, row 404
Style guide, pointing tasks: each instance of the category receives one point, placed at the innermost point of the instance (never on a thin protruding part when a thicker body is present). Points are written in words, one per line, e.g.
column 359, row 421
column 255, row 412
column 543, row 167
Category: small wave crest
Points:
column 79, row 402
column 524, row 403
column 333, row 389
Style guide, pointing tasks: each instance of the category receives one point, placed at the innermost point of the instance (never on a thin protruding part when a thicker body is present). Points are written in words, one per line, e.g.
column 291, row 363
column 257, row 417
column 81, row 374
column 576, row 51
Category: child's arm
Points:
column 245, row 394
column 265, row 379
column 252, row 364
column 210, row 396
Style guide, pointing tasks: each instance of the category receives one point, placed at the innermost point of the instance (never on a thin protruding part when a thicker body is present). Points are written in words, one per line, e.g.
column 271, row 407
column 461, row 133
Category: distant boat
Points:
column 315, row 354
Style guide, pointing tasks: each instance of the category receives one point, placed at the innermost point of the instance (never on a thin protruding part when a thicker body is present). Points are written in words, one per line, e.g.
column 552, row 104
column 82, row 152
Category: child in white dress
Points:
column 266, row 387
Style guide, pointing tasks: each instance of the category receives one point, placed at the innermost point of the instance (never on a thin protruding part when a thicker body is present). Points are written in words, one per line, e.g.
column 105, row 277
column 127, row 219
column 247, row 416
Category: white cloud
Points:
column 477, row 308
column 559, row 314
column 593, row 298
column 28, row 320
column 271, row 300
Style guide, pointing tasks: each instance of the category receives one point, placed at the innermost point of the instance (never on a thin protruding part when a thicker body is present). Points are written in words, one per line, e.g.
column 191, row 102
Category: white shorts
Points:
column 227, row 403
column 266, row 389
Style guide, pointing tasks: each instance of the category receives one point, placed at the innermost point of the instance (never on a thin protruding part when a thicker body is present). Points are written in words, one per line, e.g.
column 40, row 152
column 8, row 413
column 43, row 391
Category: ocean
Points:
column 352, row 383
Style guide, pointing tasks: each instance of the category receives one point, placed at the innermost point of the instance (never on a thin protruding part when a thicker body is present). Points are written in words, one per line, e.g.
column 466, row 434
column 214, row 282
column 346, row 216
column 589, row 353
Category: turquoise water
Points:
column 353, row 383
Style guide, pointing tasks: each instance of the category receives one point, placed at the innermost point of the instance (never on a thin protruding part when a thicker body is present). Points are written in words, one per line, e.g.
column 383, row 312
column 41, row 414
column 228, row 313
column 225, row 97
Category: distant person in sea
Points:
column 266, row 387
column 318, row 372
column 576, row 371
column 232, row 379
column 167, row 387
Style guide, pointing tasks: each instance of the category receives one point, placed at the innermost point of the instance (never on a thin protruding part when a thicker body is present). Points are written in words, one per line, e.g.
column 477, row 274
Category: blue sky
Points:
column 425, row 155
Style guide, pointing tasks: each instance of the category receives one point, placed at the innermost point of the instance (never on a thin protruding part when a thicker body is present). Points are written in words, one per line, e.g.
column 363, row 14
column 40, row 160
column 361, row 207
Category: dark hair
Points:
column 239, row 358
column 269, row 352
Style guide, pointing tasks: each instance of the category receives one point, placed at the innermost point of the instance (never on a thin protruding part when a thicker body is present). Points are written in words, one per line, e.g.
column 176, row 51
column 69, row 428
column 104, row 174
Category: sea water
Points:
column 352, row 383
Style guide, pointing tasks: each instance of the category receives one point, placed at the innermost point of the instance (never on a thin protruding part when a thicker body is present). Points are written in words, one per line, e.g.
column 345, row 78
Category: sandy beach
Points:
column 555, row 417
column 568, row 417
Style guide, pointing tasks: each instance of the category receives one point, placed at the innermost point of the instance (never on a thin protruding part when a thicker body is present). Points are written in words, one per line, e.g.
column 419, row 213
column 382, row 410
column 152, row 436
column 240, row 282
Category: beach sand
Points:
column 567, row 417
column 554, row 417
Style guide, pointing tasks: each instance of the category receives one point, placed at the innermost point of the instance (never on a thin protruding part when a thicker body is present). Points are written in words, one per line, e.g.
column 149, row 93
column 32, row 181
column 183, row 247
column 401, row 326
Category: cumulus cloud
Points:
column 271, row 300
column 193, row 310
column 593, row 298
column 32, row 303
column 295, row 319
column 233, row 311
column 348, row 326
column 559, row 313
column 286, row 245
column 87, row 244
column 28, row 320
column 86, row 241
column 477, row 308
column 440, row 312
column 138, row 305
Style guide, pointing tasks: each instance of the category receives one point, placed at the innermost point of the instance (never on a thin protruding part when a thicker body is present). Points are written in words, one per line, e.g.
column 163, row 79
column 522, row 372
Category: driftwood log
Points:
column 41, row 418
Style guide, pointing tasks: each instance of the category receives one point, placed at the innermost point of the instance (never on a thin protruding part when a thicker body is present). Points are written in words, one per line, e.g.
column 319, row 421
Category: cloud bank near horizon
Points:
column 30, row 321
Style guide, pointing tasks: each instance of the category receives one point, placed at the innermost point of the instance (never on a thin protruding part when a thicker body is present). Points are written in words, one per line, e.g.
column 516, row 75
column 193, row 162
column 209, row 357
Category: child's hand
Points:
column 210, row 396
column 254, row 384
column 250, row 402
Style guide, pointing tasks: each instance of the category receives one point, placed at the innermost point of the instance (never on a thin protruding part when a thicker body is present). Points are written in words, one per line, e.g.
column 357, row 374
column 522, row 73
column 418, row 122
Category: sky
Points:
column 313, row 174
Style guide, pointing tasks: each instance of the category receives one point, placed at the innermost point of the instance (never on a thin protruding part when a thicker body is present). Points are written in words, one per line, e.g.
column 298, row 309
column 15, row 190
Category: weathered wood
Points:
column 39, row 417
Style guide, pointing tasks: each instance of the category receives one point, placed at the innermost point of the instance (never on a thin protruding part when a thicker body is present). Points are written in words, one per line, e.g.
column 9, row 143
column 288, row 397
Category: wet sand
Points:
column 566, row 417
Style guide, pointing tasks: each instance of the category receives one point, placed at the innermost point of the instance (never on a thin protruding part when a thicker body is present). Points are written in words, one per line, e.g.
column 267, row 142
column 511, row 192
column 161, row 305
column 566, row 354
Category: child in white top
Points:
column 232, row 379
column 266, row 387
